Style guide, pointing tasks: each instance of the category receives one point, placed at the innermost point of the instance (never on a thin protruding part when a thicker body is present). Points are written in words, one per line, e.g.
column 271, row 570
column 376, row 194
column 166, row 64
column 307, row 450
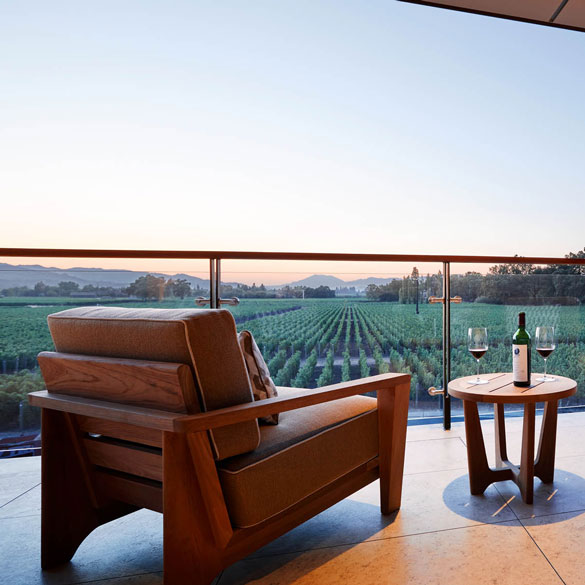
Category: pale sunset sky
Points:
column 289, row 125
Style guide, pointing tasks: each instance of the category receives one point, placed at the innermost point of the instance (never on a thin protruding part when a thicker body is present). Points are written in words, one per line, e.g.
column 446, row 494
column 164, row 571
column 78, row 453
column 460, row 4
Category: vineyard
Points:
column 310, row 343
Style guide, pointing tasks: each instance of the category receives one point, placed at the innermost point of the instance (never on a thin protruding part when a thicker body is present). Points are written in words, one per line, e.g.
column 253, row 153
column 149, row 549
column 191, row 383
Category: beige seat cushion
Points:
column 308, row 449
column 204, row 339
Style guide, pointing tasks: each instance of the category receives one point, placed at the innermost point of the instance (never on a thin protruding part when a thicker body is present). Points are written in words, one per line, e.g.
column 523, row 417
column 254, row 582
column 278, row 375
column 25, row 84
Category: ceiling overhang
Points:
column 568, row 14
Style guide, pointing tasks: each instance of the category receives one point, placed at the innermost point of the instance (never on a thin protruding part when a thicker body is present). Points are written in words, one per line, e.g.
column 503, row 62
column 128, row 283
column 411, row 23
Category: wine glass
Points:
column 545, row 345
column 477, row 343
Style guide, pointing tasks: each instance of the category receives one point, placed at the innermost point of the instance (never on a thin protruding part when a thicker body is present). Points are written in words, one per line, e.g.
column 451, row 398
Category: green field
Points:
column 309, row 343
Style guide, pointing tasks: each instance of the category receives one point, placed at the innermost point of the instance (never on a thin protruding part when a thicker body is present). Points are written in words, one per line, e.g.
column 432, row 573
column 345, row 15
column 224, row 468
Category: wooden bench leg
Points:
column 68, row 513
column 190, row 555
column 392, row 422
column 70, row 507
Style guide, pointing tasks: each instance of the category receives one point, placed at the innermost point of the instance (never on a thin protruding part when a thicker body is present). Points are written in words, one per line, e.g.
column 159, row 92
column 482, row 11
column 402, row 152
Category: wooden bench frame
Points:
column 198, row 539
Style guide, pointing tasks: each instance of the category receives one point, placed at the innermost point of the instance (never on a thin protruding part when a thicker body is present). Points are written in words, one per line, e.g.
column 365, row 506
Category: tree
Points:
column 245, row 291
column 41, row 289
column 567, row 268
column 372, row 292
column 410, row 288
column 514, row 268
column 433, row 285
column 321, row 292
column 102, row 291
column 288, row 292
column 18, row 291
column 148, row 287
column 178, row 288
column 414, row 277
column 385, row 293
column 467, row 286
column 65, row 288
column 526, row 283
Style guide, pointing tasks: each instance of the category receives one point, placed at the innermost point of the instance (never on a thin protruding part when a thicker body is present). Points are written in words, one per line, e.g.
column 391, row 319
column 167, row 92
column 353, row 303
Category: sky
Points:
column 317, row 126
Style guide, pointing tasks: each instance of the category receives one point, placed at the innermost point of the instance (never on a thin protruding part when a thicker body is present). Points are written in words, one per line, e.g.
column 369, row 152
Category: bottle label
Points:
column 520, row 363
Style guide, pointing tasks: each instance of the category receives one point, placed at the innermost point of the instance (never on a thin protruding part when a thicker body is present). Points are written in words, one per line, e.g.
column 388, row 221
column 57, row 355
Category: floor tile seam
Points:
column 19, row 517
column 534, row 516
column 542, row 553
column 20, row 495
column 506, row 500
column 434, row 439
column 373, row 540
column 119, row 577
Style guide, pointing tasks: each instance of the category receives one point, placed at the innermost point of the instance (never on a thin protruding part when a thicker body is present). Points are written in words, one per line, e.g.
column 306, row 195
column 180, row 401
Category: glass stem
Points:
column 478, row 370
column 545, row 368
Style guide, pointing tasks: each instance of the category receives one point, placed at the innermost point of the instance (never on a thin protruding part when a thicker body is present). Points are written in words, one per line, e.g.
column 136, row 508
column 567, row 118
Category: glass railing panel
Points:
column 494, row 301
column 32, row 289
column 317, row 325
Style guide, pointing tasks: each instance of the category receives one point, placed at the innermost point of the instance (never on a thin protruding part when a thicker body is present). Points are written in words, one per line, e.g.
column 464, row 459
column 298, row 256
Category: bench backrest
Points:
column 182, row 360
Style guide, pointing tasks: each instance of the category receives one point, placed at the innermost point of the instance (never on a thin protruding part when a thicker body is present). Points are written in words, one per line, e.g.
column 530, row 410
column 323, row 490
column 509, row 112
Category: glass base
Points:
column 546, row 378
column 477, row 381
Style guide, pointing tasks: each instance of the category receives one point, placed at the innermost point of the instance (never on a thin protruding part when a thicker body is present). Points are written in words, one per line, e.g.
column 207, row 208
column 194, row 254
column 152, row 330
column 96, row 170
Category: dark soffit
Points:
column 569, row 14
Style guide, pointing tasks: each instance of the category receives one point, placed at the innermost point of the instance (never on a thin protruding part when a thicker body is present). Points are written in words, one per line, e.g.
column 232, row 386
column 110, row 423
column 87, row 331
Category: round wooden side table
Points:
column 500, row 390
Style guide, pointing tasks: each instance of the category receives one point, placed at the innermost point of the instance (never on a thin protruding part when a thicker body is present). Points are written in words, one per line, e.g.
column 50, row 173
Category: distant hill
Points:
column 334, row 282
column 363, row 282
column 318, row 280
column 28, row 275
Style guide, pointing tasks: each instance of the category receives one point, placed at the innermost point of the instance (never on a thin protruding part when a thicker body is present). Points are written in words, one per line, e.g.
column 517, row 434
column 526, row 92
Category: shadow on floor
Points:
column 326, row 536
column 565, row 495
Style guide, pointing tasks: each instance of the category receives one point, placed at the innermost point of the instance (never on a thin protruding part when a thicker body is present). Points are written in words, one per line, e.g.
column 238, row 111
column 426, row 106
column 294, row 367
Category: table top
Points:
column 500, row 389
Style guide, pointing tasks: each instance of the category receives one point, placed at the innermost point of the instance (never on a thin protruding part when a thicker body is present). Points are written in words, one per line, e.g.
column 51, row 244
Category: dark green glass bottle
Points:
column 521, row 353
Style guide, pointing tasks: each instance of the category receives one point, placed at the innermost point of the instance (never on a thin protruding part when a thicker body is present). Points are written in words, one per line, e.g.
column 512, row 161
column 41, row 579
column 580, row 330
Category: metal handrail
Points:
column 243, row 255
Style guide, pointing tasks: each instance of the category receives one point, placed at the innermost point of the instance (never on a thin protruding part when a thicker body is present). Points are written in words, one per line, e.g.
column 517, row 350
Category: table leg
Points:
column 544, row 468
column 500, row 429
column 480, row 474
column 526, row 475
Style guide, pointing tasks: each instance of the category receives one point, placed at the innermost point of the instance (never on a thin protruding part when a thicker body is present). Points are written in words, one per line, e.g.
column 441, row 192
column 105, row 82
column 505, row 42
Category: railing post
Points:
column 217, row 283
column 215, row 301
column 446, row 344
column 213, row 295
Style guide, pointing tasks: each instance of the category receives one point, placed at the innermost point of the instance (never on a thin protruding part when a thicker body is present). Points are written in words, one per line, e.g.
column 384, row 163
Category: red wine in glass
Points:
column 545, row 345
column 545, row 351
column 478, row 353
column 477, row 344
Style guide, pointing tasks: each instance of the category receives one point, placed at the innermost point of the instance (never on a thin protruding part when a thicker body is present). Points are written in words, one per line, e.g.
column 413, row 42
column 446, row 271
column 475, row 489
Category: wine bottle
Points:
column 521, row 353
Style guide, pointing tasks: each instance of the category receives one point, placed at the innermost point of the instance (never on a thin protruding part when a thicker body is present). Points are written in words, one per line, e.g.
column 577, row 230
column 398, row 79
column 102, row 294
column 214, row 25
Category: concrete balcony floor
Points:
column 442, row 535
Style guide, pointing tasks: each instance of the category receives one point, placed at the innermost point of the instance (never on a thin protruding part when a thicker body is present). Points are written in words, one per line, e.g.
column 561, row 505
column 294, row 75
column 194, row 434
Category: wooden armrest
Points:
column 134, row 415
column 178, row 422
column 243, row 412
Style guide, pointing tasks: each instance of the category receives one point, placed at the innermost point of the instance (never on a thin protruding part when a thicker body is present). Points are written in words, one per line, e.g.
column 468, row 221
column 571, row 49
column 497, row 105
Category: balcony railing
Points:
column 309, row 343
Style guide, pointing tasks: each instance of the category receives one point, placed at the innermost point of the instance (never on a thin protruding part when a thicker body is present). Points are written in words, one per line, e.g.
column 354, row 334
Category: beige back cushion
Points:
column 204, row 339
column 262, row 385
